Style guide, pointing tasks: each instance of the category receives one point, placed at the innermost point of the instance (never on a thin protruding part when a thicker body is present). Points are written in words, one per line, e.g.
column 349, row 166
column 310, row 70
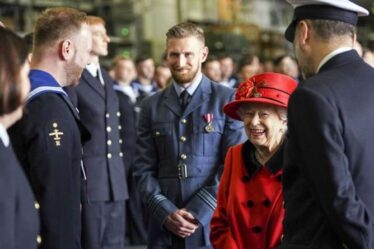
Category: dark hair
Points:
column 210, row 59
column 326, row 29
column 14, row 54
column 57, row 23
column 247, row 59
column 184, row 30
column 28, row 38
column 142, row 58
column 278, row 60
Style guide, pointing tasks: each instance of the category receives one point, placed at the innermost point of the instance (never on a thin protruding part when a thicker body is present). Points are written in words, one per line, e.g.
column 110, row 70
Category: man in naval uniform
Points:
column 106, row 190
column 328, row 173
column 183, row 137
column 47, row 140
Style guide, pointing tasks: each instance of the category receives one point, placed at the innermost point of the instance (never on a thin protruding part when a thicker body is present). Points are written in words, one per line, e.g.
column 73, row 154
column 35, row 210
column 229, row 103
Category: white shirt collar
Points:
column 191, row 88
column 4, row 135
column 94, row 69
column 331, row 55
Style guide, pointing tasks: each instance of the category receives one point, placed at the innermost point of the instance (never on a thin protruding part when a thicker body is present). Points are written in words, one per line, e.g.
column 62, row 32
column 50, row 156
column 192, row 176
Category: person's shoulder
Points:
column 46, row 104
column 221, row 89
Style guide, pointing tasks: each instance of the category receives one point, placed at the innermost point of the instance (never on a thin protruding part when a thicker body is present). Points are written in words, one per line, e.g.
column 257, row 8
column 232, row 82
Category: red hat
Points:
column 269, row 88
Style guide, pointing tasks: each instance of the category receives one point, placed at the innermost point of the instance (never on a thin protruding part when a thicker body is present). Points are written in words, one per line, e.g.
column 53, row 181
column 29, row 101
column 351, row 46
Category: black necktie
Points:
column 184, row 98
column 98, row 76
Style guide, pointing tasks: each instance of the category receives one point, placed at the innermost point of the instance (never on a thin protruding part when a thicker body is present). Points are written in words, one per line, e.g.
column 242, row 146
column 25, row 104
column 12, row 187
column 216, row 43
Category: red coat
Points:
column 249, row 211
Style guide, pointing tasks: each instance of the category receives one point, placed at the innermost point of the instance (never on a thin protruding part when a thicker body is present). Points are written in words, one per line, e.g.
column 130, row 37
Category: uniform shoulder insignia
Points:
column 56, row 134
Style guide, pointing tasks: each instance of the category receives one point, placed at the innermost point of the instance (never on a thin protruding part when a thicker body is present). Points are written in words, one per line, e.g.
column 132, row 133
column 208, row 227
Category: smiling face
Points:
column 184, row 58
column 264, row 124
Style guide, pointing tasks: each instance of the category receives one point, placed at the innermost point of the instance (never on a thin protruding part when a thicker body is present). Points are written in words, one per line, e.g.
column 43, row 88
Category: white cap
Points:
column 339, row 10
column 341, row 4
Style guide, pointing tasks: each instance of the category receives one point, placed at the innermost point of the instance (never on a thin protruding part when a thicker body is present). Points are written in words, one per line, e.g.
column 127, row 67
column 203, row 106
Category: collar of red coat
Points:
column 274, row 165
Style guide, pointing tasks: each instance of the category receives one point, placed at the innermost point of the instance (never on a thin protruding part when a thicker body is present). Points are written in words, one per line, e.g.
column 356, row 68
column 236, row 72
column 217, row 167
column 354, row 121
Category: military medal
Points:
column 209, row 119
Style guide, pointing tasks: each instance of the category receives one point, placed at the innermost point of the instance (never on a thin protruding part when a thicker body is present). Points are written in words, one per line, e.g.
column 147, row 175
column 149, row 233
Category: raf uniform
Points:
column 180, row 156
column 47, row 141
column 328, row 174
column 106, row 188
column 135, row 211
column 19, row 226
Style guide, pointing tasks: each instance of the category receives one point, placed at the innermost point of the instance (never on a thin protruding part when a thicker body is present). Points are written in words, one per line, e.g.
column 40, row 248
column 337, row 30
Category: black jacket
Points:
column 328, row 174
column 19, row 224
column 47, row 141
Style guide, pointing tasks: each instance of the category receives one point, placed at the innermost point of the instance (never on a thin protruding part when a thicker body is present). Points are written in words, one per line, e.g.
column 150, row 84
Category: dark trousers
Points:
column 103, row 225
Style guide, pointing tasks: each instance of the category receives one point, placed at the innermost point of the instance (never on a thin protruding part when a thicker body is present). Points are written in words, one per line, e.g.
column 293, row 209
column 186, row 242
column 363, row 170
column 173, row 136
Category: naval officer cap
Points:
column 338, row 10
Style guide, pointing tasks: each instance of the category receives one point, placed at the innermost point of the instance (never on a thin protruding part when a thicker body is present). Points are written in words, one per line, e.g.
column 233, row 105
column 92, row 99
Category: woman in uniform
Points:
column 19, row 224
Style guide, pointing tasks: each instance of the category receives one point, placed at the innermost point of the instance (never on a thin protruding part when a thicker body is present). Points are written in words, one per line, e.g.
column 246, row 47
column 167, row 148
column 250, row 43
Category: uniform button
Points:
column 108, row 129
column 39, row 239
column 183, row 139
column 183, row 156
column 184, row 121
column 109, row 155
column 121, row 154
column 256, row 229
column 267, row 203
column 36, row 205
column 118, row 114
column 120, row 141
column 107, row 115
column 250, row 203
column 119, row 127
column 157, row 133
column 245, row 179
column 109, row 142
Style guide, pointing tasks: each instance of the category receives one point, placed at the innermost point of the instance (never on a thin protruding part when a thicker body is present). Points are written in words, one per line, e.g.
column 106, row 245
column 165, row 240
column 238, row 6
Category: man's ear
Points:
column 303, row 32
column 205, row 53
column 66, row 50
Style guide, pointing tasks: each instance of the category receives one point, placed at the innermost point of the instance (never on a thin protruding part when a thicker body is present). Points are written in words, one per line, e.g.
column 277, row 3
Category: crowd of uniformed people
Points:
column 196, row 152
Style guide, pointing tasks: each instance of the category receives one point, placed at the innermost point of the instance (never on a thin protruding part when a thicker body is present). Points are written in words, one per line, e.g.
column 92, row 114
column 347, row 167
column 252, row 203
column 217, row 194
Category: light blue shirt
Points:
column 191, row 87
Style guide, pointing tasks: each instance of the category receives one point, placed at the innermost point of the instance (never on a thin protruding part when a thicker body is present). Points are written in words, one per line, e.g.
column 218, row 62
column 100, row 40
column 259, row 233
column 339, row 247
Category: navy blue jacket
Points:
column 169, row 138
column 328, row 174
column 102, row 156
column 53, row 166
column 19, row 217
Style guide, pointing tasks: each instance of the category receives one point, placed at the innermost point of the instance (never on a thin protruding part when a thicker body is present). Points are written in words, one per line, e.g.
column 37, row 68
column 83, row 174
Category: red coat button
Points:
column 256, row 229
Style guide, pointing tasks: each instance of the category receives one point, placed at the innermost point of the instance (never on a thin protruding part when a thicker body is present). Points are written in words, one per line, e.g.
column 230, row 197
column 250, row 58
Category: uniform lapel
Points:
column 93, row 83
column 171, row 100
column 200, row 96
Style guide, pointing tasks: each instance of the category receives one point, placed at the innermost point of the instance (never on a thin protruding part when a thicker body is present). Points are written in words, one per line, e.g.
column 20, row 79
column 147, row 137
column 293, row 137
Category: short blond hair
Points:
column 57, row 23
column 93, row 20
column 184, row 30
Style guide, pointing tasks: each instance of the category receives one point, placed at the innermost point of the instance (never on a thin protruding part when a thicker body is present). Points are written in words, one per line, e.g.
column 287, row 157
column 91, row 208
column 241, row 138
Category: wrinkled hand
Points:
column 181, row 223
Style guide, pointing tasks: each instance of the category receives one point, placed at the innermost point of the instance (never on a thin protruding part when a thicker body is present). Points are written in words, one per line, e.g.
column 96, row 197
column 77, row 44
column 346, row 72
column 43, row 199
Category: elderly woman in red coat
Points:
column 249, row 211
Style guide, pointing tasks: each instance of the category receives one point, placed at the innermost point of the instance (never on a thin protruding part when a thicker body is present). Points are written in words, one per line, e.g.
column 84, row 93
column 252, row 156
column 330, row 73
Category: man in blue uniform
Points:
column 183, row 137
column 106, row 190
column 47, row 140
column 328, row 174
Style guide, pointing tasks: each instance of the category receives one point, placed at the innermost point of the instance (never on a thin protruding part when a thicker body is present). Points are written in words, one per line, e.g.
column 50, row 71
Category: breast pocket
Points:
column 161, row 133
column 208, row 139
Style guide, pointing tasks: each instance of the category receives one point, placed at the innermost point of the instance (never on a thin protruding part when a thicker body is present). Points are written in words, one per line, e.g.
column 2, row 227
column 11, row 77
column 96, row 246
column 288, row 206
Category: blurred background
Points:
column 137, row 27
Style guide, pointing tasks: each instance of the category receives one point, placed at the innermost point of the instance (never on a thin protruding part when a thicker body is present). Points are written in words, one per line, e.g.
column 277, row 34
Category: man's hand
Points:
column 181, row 223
